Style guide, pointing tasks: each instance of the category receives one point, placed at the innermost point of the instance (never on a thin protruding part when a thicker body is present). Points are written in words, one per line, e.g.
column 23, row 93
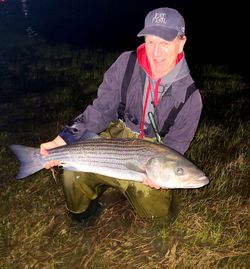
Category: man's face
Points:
column 162, row 54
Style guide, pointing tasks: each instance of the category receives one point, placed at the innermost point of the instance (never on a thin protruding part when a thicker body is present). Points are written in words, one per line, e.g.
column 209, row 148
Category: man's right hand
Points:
column 57, row 142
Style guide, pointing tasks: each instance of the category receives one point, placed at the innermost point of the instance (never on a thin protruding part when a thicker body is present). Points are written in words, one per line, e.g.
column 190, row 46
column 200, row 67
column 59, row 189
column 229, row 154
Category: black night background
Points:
column 216, row 30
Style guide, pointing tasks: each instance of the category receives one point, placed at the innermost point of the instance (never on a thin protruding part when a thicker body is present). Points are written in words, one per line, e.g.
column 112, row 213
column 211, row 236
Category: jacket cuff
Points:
column 67, row 136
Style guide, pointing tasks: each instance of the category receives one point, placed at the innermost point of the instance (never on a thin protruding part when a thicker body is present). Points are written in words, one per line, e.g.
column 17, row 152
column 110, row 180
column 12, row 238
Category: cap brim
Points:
column 163, row 32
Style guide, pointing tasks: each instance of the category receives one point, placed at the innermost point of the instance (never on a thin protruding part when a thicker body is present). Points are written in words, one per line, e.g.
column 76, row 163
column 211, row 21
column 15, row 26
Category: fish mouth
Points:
column 203, row 178
column 196, row 182
column 201, row 181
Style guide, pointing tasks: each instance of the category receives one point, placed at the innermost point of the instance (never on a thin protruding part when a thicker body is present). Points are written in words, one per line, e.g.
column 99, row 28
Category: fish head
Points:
column 175, row 172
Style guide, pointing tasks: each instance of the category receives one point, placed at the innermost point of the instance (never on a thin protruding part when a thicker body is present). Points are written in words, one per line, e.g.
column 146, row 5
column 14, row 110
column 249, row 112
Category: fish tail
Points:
column 29, row 158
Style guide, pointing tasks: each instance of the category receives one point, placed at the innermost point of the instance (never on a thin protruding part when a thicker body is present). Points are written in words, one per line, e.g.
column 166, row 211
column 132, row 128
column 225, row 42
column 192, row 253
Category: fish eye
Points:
column 179, row 171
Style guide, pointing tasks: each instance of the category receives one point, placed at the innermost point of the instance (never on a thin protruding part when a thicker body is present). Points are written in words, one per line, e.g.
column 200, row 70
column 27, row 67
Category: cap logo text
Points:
column 159, row 18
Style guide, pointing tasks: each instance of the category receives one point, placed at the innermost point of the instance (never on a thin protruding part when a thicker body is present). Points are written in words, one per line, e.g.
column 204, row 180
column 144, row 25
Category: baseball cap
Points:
column 163, row 22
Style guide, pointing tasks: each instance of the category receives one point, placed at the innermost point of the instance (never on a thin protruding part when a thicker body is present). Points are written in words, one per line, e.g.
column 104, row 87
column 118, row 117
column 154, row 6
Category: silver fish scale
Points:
column 105, row 152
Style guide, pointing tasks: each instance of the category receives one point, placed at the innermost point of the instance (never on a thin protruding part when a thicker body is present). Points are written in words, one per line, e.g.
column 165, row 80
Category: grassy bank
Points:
column 42, row 88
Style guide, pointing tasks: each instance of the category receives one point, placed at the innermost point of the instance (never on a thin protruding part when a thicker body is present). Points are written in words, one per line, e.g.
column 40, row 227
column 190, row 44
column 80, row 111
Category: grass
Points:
column 42, row 88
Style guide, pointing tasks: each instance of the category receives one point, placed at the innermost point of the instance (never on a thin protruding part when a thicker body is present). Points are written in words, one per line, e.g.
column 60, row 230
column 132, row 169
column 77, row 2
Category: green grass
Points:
column 42, row 89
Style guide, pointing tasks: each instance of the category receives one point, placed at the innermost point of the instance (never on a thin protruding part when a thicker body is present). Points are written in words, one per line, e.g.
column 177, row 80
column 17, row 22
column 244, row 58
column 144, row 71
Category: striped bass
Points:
column 124, row 159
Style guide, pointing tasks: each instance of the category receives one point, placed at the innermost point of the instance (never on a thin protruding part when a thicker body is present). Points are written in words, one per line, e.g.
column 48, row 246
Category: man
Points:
column 159, row 84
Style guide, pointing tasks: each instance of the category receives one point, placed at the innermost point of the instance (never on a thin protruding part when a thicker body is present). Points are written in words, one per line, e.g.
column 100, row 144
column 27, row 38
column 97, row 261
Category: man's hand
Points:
column 150, row 183
column 57, row 142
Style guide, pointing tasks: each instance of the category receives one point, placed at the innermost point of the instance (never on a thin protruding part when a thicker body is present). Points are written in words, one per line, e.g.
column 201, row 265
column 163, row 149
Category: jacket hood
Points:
column 143, row 59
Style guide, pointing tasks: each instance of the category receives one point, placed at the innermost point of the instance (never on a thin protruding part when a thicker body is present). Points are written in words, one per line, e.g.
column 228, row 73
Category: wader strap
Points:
column 174, row 112
column 125, row 83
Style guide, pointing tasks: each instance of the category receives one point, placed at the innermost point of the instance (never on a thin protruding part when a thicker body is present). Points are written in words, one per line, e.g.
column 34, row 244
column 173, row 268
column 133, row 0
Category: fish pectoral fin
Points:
column 134, row 167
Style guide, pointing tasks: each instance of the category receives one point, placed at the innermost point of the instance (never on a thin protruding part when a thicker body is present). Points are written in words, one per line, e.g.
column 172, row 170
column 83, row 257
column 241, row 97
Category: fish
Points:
column 123, row 159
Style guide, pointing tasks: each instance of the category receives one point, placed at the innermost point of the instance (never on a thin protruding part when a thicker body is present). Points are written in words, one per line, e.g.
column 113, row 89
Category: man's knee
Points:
column 149, row 202
column 69, row 177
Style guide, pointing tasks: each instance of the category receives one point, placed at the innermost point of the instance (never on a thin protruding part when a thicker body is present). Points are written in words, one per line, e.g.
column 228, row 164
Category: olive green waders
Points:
column 81, row 188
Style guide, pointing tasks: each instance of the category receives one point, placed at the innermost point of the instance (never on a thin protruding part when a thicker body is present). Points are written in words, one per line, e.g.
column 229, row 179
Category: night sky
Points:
column 216, row 30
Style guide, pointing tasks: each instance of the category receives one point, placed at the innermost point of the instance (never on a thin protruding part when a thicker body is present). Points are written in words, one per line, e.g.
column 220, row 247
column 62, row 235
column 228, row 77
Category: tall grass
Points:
column 43, row 88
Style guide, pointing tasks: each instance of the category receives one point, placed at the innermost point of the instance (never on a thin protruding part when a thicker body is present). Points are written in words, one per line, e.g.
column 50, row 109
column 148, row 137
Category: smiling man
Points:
column 162, row 54
column 155, row 79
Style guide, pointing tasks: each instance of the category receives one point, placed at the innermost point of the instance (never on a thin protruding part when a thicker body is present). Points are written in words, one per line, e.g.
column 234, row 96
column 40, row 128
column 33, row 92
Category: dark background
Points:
column 217, row 31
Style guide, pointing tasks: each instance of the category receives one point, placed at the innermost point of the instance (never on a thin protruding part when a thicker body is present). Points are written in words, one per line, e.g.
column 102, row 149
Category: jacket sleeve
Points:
column 97, row 116
column 182, row 132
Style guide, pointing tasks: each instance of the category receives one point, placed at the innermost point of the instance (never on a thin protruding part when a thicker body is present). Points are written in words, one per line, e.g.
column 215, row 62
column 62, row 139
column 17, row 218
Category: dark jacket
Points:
column 97, row 116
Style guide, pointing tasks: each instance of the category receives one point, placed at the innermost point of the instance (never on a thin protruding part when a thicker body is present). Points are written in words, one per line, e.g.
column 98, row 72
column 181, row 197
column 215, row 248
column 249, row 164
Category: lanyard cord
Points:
column 156, row 101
